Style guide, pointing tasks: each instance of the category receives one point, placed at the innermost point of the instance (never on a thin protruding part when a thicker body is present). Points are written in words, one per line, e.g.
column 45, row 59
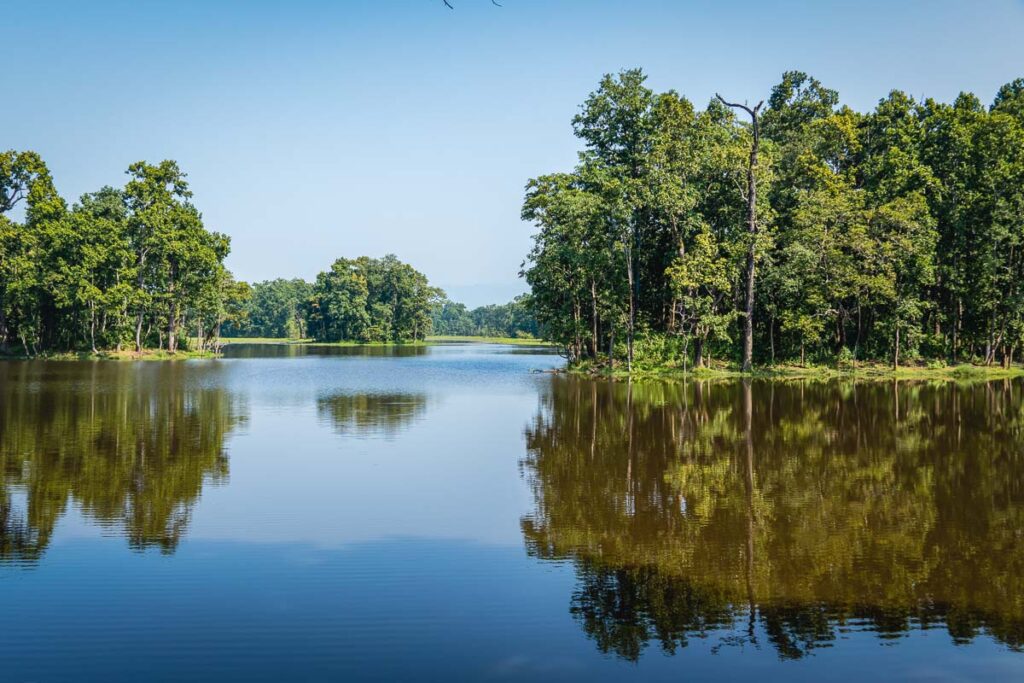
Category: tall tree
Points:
column 751, row 200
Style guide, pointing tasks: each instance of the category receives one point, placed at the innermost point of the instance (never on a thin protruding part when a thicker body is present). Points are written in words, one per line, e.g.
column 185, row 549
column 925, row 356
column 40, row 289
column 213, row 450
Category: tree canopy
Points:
column 371, row 300
column 122, row 267
column 514, row 319
column 892, row 235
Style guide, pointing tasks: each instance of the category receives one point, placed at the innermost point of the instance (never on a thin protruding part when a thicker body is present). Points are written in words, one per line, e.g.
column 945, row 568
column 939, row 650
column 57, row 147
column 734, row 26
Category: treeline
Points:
column 277, row 309
column 514, row 319
column 360, row 300
column 794, row 228
column 135, row 267
column 129, row 267
column 371, row 300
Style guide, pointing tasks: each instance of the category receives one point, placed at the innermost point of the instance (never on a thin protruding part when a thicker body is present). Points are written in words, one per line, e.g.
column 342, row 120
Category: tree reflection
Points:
column 372, row 414
column 783, row 512
column 131, row 447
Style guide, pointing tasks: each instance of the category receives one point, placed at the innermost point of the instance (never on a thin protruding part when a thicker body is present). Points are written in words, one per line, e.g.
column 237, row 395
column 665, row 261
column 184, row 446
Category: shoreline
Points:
column 163, row 355
column 867, row 371
column 146, row 355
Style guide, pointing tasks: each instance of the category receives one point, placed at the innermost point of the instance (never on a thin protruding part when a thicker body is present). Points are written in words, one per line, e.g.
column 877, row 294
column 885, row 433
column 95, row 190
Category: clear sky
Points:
column 312, row 129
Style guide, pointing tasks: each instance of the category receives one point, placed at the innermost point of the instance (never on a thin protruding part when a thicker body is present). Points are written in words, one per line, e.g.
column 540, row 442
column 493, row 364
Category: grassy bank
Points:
column 155, row 354
column 865, row 371
column 146, row 355
column 434, row 339
column 227, row 341
column 262, row 340
column 513, row 341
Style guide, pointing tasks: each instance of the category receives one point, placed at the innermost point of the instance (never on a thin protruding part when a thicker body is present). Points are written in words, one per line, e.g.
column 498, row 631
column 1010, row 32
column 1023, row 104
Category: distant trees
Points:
column 514, row 319
column 134, row 266
column 276, row 309
column 371, row 300
column 895, row 234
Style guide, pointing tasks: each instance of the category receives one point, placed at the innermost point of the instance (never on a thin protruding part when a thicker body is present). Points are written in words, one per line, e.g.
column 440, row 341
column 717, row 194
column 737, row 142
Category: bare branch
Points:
column 735, row 105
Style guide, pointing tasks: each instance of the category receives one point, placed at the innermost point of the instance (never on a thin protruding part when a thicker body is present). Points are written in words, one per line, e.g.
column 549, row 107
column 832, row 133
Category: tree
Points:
column 371, row 300
column 890, row 234
column 119, row 264
column 751, row 199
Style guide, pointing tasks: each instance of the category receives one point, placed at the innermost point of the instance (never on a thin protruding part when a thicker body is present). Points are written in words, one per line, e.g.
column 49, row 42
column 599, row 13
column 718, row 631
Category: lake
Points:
column 455, row 512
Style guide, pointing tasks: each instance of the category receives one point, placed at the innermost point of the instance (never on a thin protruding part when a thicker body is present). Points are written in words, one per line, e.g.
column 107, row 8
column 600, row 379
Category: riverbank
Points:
column 434, row 339
column 146, row 355
column 865, row 371
column 508, row 341
column 160, row 354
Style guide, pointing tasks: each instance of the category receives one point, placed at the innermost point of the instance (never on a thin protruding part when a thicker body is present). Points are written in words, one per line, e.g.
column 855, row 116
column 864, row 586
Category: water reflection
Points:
column 365, row 415
column 130, row 446
column 781, row 514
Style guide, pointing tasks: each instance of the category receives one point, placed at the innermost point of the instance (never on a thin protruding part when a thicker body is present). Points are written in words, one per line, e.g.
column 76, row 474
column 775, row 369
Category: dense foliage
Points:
column 277, row 309
column 131, row 266
column 371, row 300
column 892, row 234
column 514, row 319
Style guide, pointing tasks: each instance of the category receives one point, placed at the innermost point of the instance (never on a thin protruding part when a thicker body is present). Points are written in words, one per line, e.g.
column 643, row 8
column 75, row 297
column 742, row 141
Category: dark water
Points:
column 446, row 513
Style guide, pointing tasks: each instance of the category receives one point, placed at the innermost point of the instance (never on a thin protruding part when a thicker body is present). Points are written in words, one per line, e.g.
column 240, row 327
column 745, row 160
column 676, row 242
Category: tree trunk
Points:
column 611, row 348
column 92, row 326
column 140, row 283
column 3, row 330
column 172, row 328
column 138, row 333
column 990, row 348
column 956, row 328
column 577, row 343
column 593, row 318
column 748, row 320
column 698, row 352
column 632, row 311
column 896, row 350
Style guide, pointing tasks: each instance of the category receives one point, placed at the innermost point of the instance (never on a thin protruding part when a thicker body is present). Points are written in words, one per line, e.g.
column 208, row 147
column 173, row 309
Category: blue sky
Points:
column 312, row 129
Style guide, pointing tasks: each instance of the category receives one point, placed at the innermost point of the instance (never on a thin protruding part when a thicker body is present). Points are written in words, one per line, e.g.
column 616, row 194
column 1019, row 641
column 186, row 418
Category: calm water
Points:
column 449, row 513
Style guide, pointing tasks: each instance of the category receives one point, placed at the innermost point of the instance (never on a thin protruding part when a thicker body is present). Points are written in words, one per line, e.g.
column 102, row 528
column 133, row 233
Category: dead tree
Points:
column 748, row 320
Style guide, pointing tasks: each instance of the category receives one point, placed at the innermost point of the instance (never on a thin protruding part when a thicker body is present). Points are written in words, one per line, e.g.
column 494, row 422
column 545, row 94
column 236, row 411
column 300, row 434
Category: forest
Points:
column 514, row 319
column 791, row 230
column 136, row 268
column 123, row 268
column 371, row 300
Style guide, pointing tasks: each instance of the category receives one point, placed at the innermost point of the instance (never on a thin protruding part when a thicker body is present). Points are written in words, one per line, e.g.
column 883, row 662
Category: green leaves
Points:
column 81, row 278
column 879, row 230
column 371, row 300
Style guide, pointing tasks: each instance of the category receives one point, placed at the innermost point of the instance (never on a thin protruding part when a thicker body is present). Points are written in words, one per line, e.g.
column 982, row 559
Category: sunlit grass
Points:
column 513, row 341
